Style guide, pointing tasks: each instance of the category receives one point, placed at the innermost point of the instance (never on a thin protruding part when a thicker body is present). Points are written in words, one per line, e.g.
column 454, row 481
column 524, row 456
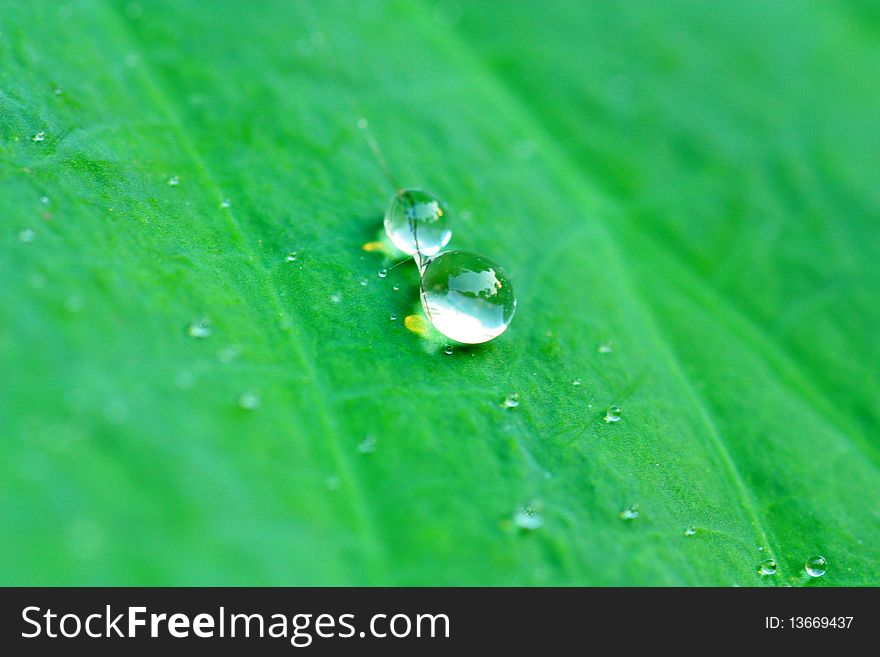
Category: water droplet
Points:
column 511, row 400
column 40, row 136
column 448, row 350
column 362, row 123
column 767, row 567
column 199, row 329
column 528, row 516
column 604, row 348
column 249, row 401
column 575, row 382
column 613, row 413
column 395, row 287
column 335, row 298
column 383, row 273
column 44, row 200
column 393, row 317
column 467, row 297
column 226, row 203
column 291, row 256
column 58, row 91
column 815, row 566
column 630, row 513
column 417, row 221
column 367, row 445
column 332, row 482
column 690, row 531
column 760, row 548
column 364, row 282
column 229, row 354
column 27, row 235
column 174, row 181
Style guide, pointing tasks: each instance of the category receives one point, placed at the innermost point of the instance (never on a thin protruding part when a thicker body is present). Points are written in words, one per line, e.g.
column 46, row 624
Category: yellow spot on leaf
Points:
column 416, row 324
column 373, row 246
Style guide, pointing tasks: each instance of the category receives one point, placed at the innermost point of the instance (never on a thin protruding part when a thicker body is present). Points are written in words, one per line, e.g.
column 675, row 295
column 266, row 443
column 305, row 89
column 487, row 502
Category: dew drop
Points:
column 767, row 567
column 417, row 222
column 629, row 513
column 604, row 348
column 690, row 531
column 291, row 256
column 249, row 401
column 815, row 566
column 393, row 317
column 395, row 287
column 613, row 414
column 383, row 273
column 174, row 181
column 44, row 200
column 58, row 91
column 332, row 482
column 226, row 203
column 448, row 350
column 335, row 298
column 528, row 516
column 467, row 297
column 511, row 400
column 364, row 282
column 27, row 235
column 199, row 329
column 575, row 382
column 40, row 136
column 367, row 445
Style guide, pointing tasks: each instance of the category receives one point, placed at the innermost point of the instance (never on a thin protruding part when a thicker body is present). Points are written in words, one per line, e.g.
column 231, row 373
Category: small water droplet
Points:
column 448, row 350
column 364, row 282
column 767, row 567
column 383, row 273
column 690, row 531
column 395, row 287
column 335, row 298
column 291, row 256
column 467, row 297
column 249, row 401
column 174, row 181
column 40, row 136
column 415, row 216
column 575, row 382
column 58, row 91
column 226, row 203
column 199, row 329
column 760, row 548
column 27, row 235
column 393, row 317
column 630, row 513
column 528, row 516
column 511, row 400
column 367, row 445
column 613, row 413
column 362, row 123
column 44, row 200
column 815, row 566
column 604, row 348
column 332, row 482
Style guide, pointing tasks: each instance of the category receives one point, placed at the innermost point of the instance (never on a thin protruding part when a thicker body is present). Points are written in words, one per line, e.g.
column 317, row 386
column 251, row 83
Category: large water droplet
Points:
column 613, row 413
column 529, row 516
column 467, row 297
column 767, row 567
column 417, row 221
column 815, row 566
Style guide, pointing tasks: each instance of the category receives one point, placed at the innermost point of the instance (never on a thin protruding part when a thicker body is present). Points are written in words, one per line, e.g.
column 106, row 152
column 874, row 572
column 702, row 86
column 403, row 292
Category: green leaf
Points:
column 691, row 186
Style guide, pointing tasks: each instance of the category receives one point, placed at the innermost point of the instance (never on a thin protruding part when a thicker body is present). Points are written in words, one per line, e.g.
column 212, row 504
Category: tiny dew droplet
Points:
column 690, row 531
column 630, row 513
column 367, row 445
column 395, row 287
column 27, row 235
column 291, row 256
column 199, row 329
column 44, row 200
column 225, row 203
column 383, row 273
column 575, row 382
column 467, row 297
column 332, row 482
column 40, row 136
column 174, row 181
column 249, row 401
column 528, row 516
column 767, row 567
column 613, row 414
column 335, row 298
column 448, row 350
column 511, row 400
column 604, row 348
column 364, row 282
column 417, row 222
column 815, row 566
column 393, row 317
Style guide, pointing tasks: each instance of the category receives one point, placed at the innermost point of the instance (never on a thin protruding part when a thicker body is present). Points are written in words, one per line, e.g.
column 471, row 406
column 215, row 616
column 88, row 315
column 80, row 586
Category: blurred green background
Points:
column 684, row 193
